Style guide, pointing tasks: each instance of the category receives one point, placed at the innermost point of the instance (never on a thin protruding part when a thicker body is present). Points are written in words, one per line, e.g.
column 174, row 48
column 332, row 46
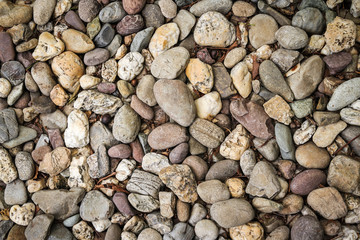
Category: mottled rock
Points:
column 77, row 133
column 164, row 38
column 340, row 34
column 48, row 47
column 207, row 133
column 262, row 31
column 144, row 183
column 307, row 227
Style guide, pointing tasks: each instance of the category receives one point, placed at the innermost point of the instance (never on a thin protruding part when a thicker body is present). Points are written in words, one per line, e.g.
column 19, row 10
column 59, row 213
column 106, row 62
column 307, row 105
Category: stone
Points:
column 325, row 135
column 235, row 144
column 171, row 63
column 48, row 47
column 243, row 9
column 56, row 161
column 344, row 95
column 82, row 230
column 16, row 232
column 304, row 133
column 133, row 7
column 176, row 100
column 222, row 81
column 304, row 82
column 15, row 94
column 203, row 7
column 242, row 79
column 126, row 124
column 43, row 77
column 97, row 102
column 343, row 174
column 307, row 227
column 68, row 67
column 232, row 212
column 271, row 77
column 58, row 231
column 198, row 166
column 25, row 134
column 206, row 229
column 180, row 231
column 78, row 170
column 327, row 202
column 159, row 223
column 96, row 56
column 99, row 134
column 141, row 39
column 234, row 56
column 247, row 162
column 278, row 109
column 212, row 24
column 145, row 183
column 5, row 87
column 77, row 133
column 281, row 233
column 104, row 209
column 112, row 13
column 39, row 227
column 142, row 203
column 263, row 181
column 13, row 71
column 340, row 34
column 122, row 204
column 76, row 41
column 99, row 163
column 185, row 21
column 262, row 31
column 164, row 38
column 7, row 51
column 15, row 193
column 290, row 37
column 42, row 11
column 285, row 59
column 152, row 15
column 167, row 204
column 285, row 141
column 311, row 156
column 71, row 221
column 130, row 66
column 88, row 9
column 119, row 151
column 153, row 162
column 348, row 134
column 198, row 212
column 302, row 108
column 93, row 27
column 213, row 191
column 109, row 71
column 166, row 136
column 73, row 19
column 337, row 62
column 24, row 165
column 222, row 170
column 309, row 19
column 130, row 24
column 184, row 177
column 59, row 96
column 251, row 230
column 209, row 105
column 236, row 187
column 268, row 149
column 8, row 125
column 124, row 169
column 149, row 233
column 13, row 14
column 55, row 120
column 207, row 133
column 22, row 215
column 179, row 153
column 113, row 232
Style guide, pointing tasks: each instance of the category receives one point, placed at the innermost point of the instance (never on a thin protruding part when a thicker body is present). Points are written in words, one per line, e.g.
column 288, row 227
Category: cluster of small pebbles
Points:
column 179, row 119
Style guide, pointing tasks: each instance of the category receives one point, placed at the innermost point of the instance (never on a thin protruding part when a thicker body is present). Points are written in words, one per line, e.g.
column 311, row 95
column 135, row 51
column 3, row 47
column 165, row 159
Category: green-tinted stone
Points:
column 93, row 27
column 302, row 108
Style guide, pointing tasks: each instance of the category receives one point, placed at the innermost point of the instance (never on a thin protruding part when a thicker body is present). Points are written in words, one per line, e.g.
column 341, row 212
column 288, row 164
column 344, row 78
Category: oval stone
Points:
column 167, row 135
column 306, row 181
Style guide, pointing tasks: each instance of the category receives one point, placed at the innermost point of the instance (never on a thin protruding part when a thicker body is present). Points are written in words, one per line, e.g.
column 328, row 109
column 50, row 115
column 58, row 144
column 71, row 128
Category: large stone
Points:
column 56, row 161
column 167, row 135
column 39, row 227
column 340, row 34
column 344, row 94
column 235, row 144
column 48, row 47
column 126, row 124
column 43, row 11
column 95, row 206
column 181, row 180
column 145, row 183
column 25, row 134
column 213, row 29
column 174, row 97
column 76, row 41
column 232, row 212
column 13, row 14
column 262, row 31
column 207, row 133
column 77, row 133
column 9, row 128
column 164, row 38
column 59, row 203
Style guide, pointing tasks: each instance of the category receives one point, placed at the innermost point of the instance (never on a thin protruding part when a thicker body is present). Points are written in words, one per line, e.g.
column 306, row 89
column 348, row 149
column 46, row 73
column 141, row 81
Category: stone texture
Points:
column 48, row 47
column 340, row 34
column 77, row 133
column 164, row 38
column 262, row 31
column 207, row 133
column 144, row 183
column 167, row 135
column 126, row 124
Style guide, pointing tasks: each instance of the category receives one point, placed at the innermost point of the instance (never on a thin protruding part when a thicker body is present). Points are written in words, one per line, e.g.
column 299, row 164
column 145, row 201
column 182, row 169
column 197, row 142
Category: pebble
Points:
column 126, row 124
column 122, row 204
column 247, row 162
column 22, row 215
column 213, row 191
column 164, row 38
column 167, row 204
column 302, row 108
column 73, row 19
column 344, row 95
column 337, row 62
column 8, row 125
column 307, row 227
column 15, row 94
column 185, row 21
column 16, row 232
column 95, row 198
column 234, row 56
column 180, row 231
column 43, row 10
column 25, row 134
column 13, row 14
column 325, row 135
column 130, row 24
column 343, row 174
column 168, row 8
column 241, row 78
column 77, row 41
column 348, row 134
column 222, row 170
column 88, row 9
column 285, row 141
column 340, row 34
column 142, row 182
column 328, row 202
column 209, row 105
column 133, row 7
column 271, row 77
column 154, row 163
column 212, row 24
column 119, row 151
column 290, row 37
column 171, row 63
column 278, row 109
column 206, row 229
column 152, row 15
column 77, row 133
column 6, row 43
column 251, row 230
column 159, row 223
column 24, row 165
column 82, row 230
column 39, row 227
column 198, row 166
column 59, row 96
column 15, row 193
column 130, row 66
column 96, row 56
column 149, row 233
column 232, row 212
column 113, row 232
column 207, row 133
column 243, row 9
column 55, row 120
column 43, row 77
column 48, row 47
column 268, row 149
column 58, row 231
column 93, row 28
column 124, row 169
column 309, row 19
column 200, row 8
column 141, row 39
column 184, row 177
column 112, row 13
column 175, row 100
column 262, row 31
column 285, row 59
column 142, row 203
column 235, row 144
column 13, row 71
column 222, row 81
column 71, row 221
column 266, row 206
column 311, row 156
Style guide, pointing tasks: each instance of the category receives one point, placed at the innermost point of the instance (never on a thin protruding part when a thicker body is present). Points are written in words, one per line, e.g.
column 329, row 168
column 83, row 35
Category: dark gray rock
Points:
column 39, row 227
column 223, row 82
column 15, row 193
column 5, row 227
column 152, row 15
column 13, row 71
column 222, row 170
column 141, row 40
column 59, row 232
column 105, row 36
column 181, row 231
column 96, row 206
column 285, row 59
column 307, row 227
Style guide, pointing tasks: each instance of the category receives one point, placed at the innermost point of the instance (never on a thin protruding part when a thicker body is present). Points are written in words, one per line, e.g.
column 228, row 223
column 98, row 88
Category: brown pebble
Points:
column 137, row 151
column 120, row 151
column 55, row 138
column 39, row 153
column 183, row 211
column 179, row 153
column 141, row 108
column 198, row 166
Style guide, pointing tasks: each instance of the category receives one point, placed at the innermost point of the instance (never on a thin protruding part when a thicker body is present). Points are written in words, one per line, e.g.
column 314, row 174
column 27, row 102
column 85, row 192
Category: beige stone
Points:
column 59, row 96
column 56, row 161
column 243, row 9
column 236, row 187
column 88, row 82
column 48, row 47
column 234, row 56
column 164, row 38
column 340, row 34
column 249, row 231
column 22, row 215
column 311, row 156
column 77, row 41
column 242, row 79
column 278, row 109
column 235, row 143
column 325, row 135
column 200, row 75
column 209, row 105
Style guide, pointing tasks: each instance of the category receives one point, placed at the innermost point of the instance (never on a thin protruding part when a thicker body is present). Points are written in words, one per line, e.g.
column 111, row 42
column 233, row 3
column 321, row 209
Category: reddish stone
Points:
column 120, row 151
column 137, row 151
column 7, row 51
column 133, row 6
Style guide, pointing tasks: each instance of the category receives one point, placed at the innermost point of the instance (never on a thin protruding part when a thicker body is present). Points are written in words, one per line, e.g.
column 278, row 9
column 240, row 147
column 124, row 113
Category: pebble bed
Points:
column 179, row 120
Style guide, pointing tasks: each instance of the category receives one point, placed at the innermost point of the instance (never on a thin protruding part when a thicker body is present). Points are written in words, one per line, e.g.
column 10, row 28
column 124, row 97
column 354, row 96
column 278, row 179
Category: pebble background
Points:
column 179, row 119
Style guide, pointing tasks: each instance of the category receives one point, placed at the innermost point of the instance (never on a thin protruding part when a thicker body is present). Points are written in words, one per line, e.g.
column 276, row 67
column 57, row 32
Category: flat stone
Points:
column 13, row 14
column 185, row 21
column 203, row 7
column 76, row 41
column 8, row 125
column 207, row 133
column 153, row 162
column 25, row 134
column 152, row 15
column 311, row 156
column 307, row 227
column 142, row 39
column 96, row 56
column 306, row 181
column 112, row 12
column 222, row 170
column 39, row 227
column 56, row 161
column 13, row 71
column 104, row 209
column 235, row 143
column 213, row 191
column 325, row 135
column 337, row 30
column 143, row 203
column 142, row 182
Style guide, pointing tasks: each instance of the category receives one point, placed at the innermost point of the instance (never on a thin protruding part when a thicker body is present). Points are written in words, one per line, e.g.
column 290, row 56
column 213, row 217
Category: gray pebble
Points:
column 15, row 193
column 112, row 13
column 285, row 141
column 25, row 165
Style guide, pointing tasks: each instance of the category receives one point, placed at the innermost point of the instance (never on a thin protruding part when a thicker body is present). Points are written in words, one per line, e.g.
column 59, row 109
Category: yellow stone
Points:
column 200, row 75
column 249, row 231
column 76, row 41
column 278, row 109
column 236, row 187
column 164, row 38
column 59, row 96
column 48, row 47
column 68, row 67
column 340, row 34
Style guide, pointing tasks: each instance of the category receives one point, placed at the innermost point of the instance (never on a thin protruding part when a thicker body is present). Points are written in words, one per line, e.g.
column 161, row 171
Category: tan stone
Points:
column 209, row 105
column 278, row 109
column 242, row 79
column 311, row 156
column 56, row 161
column 68, row 67
column 48, row 47
column 249, row 231
column 325, row 135
column 200, row 75
column 164, row 38
column 340, row 34
column 59, row 96
column 235, row 143
column 88, row 82
column 76, row 41
column 236, row 187
column 243, row 9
